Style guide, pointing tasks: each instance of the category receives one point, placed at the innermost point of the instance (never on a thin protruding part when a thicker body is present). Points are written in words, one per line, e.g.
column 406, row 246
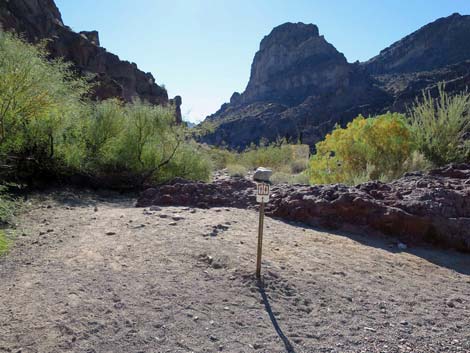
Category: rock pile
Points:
column 236, row 192
column 431, row 207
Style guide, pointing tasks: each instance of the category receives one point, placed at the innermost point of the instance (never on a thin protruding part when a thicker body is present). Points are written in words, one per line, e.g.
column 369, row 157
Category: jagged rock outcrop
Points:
column 293, row 63
column 300, row 86
column 41, row 19
column 176, row 102
column 431, row 208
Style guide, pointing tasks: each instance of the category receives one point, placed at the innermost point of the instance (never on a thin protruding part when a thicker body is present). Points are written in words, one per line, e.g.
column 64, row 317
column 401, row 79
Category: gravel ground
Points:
column 91, row 273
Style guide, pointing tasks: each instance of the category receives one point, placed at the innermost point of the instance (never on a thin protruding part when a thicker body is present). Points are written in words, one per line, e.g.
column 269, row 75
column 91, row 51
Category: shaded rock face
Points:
column 430, row 208
column 301, row 86
column 295, row 62
column 41, row 19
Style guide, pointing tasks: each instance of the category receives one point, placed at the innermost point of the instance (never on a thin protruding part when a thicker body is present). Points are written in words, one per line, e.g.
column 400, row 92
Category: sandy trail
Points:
column 122, row 279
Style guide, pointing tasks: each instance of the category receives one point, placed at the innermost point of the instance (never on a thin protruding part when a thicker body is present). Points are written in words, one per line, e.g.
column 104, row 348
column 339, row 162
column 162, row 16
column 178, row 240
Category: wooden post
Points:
column 260, row 240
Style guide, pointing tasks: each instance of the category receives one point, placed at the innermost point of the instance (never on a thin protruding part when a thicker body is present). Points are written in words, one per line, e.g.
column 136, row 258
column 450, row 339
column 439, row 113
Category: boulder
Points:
column 262, row 174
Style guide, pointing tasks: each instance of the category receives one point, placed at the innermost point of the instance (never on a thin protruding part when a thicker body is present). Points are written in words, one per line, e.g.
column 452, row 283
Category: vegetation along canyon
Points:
column 325, row 207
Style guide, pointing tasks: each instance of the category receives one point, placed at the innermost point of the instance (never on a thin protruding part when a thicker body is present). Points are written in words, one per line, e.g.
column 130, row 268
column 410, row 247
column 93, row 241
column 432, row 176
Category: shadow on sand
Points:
column 288, row 346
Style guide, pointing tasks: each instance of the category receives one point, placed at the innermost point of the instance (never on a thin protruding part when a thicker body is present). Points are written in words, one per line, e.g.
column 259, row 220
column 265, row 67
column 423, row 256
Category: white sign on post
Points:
column 262, row 192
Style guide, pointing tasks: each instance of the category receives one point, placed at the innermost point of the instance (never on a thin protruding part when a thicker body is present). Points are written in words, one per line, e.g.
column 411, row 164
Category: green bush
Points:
column 136, row 139
column 48, row 127
column 236, row 170
column 374, row 148
column 189, row 163
column 441, row 126
column 279, row 156
column 37, row 97
column 219, row 157
column 276, row 156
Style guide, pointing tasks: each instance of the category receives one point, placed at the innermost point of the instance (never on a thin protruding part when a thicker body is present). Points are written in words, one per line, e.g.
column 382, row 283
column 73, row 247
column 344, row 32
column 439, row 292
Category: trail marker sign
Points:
column 262, row 192
column 262, row 196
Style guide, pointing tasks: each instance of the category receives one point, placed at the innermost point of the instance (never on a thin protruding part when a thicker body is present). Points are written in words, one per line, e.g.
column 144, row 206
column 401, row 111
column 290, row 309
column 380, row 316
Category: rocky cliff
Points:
column 300, row 86
column 41, row 19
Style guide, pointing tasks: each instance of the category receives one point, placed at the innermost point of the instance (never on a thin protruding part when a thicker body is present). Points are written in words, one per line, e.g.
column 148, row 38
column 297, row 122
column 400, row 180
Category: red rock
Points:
column 436, row 213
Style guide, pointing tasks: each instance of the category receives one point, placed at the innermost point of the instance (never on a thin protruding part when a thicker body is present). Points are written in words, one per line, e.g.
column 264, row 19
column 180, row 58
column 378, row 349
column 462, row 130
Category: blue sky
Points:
column 203, row 49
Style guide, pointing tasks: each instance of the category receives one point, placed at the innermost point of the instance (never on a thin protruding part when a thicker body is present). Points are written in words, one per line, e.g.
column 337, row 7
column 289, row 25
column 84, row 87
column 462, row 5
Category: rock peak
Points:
column 294, row 62
column 290, row 33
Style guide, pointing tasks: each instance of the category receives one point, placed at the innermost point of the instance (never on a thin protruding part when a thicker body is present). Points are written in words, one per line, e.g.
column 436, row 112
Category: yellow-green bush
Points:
column 374, row 148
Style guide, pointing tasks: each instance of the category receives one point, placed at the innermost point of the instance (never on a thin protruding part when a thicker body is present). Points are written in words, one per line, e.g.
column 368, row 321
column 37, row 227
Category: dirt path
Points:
column 120, row 279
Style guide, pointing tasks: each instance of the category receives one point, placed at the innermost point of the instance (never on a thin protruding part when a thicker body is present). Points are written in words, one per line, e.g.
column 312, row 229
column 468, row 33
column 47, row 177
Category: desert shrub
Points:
column 288, row 178
column 8, row 207
column 298, row 166
column 189, row 162
column 220, row 157
column 279, row 156
column 135, row 139
column 4, row 242
column 441, row 126
column 236, row 170
column 36, row 97
column 374, row 148
column 417, row 162
column 275, row 156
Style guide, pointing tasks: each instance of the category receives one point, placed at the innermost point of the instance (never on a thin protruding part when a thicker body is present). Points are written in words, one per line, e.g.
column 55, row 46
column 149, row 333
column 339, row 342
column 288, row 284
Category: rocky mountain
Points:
column 437, row 44
column 300, row 86
column 41, row 19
